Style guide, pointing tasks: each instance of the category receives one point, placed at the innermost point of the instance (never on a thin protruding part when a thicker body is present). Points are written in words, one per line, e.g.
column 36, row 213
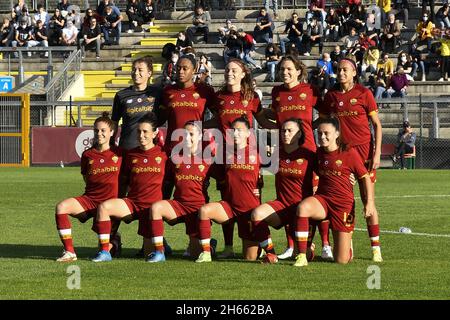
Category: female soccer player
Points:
column 190, row 172
column 296, row 99
column 235, row 99
column 355, row 107
column 293, row 182
column 241, row 194
column 100, row 167
column 143, row 173
column 334, row 198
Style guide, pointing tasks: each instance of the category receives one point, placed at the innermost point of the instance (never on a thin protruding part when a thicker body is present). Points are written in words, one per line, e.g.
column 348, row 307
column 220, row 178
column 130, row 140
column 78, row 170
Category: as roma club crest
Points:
column 115, row 159
column 300, row 161
column 277, row 99
column 222, row 102
column 150, row 99
column 339, row 163
column 196, row 95
column 245, row 103
column 252, row 159
column 134, row 161
column 303, row 96
column 91, row 161
column 158, row 160
column 353, row 101
column 201, row 167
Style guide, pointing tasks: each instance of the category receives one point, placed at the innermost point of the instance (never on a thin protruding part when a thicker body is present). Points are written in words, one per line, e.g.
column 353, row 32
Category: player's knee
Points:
column 257, row 215
column 61, row 208
column 204, row 212
column 102, row 210
column 304, row 209
column 342, row 259
column 155, row 212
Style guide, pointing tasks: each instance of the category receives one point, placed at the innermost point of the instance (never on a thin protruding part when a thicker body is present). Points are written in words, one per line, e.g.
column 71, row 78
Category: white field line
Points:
column 412, row 196
column 412, row 233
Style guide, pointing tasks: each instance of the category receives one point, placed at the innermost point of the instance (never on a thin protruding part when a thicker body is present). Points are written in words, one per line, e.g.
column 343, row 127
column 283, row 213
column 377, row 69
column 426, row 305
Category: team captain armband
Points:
column 373, row 112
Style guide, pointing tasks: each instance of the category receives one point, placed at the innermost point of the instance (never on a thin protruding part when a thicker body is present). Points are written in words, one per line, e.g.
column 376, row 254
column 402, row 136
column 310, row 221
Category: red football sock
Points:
column 311, row 231
column 301, row 233
column 289, row 238
column 157, row 227
column 262, row 235
column 104, row 230
column 65, row 232
column 324, row 227
column 228, row 231
column 204, row 230
column 374, row 235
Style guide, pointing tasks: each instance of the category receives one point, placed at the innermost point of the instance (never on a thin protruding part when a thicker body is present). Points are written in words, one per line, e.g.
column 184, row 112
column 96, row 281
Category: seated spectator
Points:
column 204, row 70
column 201, row 22
column 56, row 25
column 14, row 20
column 294, row 30
column 317, row 9
column 385, row 6
column 405, row 61
column 111, row 30
column 169, row 73
column 333, row 23
column 264, row 27
column 89, row 14
column 313, row 36
column 69, row 34
column 274, row 7
column 347, row 21
column 442, row 19
column 148, row 11
column 444, row 52
column 182, row 42
column 376, row 11
column 370, row 62
column 430, row 12
column 75, row 17
column 40, row 37
column 390, row 34
column 23, row 34
column 379, row 84
column 91, row 38
column 233, row 47
column 133, row 13
column 63, row 6
column 364, row 43
column 336, row 55
column 7, row 33
column 350, row 41
column 398, row 84
column 273, row 56
column 25, row 16
column 370, row 29
column 401, row 10
column 387, row 65
column 406, row 140
column 19, row 7
column 418, row 59
column 359, row 17
column 224, row 31
column 326, row 65
column 320, row 79
column 42, row 15
column 248, row 47
column 424, row 30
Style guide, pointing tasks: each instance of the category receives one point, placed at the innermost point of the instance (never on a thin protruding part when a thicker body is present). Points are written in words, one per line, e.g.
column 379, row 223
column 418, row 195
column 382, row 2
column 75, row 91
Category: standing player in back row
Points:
column 355, row 107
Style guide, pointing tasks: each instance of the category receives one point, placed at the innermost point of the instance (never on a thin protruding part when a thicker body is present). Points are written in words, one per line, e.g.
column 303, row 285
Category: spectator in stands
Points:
column 390, row 34
column 424, row 31
column 248, row 47
column 359, row 18
column 56, row 25
column 398, row 84
column 264, row 27
column 364, row 43
column 113, row 20
column 317, row 9
column 375, row 10
column 336, row 55
column 224, row 31
column 406, row 140
column 7, row 33
column 274, row 7
column 23, row 34
column 135, row 19
column 418, row 59
column 170, row 70
column 320, row 79
column 111, row 30
column 350, row 42
column 201, row 22
column 385, row 6
column 42, row 15
column 387, row 65
column 233, row 47
column 40, row 37
column 346, row 21
column 19, row 7
column 63, row 7
column 91, row 13
column 148, row 11
column 326, row 65
column 273, row 56
column 258, row 91
column 442, row 20
column 26, row 16
column 14, row 20
column 182, row 42
column 444, row 51
column 333, row 23
column 370, row 28
column 370, row 62
column 204, row 70
column 294, row 30
column 401, row 9
column 75, row 17
column 405, row 60
column 91, row 37
column 313, row 36
column 430, row 3
column 379, row 84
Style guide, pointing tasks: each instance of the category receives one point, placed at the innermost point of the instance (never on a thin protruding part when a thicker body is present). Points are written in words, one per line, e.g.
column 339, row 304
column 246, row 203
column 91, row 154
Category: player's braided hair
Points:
column 299, row 123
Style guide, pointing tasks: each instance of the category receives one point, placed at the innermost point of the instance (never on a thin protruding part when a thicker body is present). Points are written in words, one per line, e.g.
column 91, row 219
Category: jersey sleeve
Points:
column 371, row 104
column 315, row 97
column 356, row 165
column 323, row 106
column 84, row 164
column 116, row 112
column 256, row 104
column 274, row 105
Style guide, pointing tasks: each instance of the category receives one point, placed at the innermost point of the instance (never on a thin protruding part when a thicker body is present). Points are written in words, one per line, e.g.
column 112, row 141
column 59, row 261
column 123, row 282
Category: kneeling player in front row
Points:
column 293, row 182
column 241, row 194
column 334, row 198
column 190, row 171
column 100, row 167
column 143, row 173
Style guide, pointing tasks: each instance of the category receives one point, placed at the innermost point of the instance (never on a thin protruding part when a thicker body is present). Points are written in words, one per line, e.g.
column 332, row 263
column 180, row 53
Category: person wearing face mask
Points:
column 429, row 3
column 405, row 60
column 424, row 31
column 170, row 70
column 23, row 35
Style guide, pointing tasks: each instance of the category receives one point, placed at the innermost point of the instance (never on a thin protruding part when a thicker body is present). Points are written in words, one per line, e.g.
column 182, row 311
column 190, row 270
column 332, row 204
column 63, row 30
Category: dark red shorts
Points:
column 366, row 151
column 244, row 221
column 188, row 214
column 286, row 213
column 342, row 217
column 142, row 214
column 89, row 205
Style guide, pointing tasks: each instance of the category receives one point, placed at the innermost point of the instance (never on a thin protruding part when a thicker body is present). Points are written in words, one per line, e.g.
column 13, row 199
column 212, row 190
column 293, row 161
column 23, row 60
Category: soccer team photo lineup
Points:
column 205, row 147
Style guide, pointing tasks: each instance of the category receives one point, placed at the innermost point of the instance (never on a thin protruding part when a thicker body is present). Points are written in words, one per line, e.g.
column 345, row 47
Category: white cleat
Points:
column 67, row 257
column 327, row 253
column 286, row 254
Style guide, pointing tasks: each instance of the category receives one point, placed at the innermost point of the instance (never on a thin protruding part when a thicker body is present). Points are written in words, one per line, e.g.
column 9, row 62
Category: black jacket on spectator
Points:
column 42, row 32
column 291, row 33
column 6, row 33
column 147, row 12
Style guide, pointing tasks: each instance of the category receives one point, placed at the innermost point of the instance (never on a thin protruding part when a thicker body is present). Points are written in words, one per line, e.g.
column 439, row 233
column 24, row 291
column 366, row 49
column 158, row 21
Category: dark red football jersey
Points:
column 145, row 172
column 334, row 170
column 181, row 105
column 294, row 179
column 101, row 171
column 353, row 109
column 241, row 180
column 297, row 102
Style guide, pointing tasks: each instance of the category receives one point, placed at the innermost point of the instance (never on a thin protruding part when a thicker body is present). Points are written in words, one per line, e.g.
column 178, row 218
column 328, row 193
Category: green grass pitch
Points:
column 415, row 266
